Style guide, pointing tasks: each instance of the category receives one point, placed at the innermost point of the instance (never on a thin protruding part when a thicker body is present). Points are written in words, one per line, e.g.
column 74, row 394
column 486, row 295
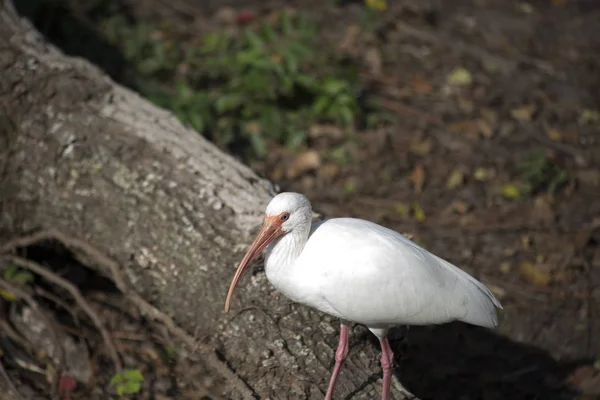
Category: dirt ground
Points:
column 477, row 87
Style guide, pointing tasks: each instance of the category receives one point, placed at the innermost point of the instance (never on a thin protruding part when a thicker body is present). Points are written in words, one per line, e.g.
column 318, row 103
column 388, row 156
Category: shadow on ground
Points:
column 459, row 361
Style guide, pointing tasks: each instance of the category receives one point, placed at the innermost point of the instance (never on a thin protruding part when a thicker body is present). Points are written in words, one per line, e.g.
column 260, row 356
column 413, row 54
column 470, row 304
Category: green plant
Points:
column 128, row 381
column 263, row 85
column 17, row 275
column 541, row 173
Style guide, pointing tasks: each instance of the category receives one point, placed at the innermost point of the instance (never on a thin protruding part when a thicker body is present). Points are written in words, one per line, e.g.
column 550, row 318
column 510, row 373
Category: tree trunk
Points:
column 90, row 158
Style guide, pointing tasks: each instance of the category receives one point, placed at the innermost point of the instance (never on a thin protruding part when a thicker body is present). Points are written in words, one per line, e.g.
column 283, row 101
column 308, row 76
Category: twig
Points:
column 36, row 308
column 9, row 381
column 146, row 308
column 43, row 293
column 81, row 301
column 12, row 334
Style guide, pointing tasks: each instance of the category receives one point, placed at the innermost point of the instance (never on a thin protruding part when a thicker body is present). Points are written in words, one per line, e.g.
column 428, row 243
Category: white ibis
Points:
column 361, row 272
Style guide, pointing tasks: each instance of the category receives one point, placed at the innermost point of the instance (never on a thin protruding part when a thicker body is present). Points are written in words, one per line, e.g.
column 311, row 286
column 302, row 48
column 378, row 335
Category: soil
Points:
column 439, row 173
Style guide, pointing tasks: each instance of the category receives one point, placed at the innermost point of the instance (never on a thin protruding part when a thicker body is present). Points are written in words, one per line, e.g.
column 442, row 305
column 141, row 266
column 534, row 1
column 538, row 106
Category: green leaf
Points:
column 334, row 86
column 320, row 105
column 258, row 144
column 296, row 137
column 286, row 24
column 129, row 387
column 128, row 381
column 346, row 115
column 253, row 40
column 197, row 122
column 228, row 102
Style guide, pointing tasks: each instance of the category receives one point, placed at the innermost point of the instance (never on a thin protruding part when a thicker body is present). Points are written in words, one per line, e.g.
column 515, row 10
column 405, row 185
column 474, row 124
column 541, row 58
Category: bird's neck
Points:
column 283, row 252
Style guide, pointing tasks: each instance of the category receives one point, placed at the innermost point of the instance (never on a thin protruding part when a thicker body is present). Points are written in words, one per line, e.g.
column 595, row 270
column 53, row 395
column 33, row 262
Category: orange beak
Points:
column 270, row 231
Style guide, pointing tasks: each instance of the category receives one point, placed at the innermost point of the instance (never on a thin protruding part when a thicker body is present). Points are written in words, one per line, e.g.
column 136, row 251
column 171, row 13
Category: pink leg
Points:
column 340, row 356
column 387, row 359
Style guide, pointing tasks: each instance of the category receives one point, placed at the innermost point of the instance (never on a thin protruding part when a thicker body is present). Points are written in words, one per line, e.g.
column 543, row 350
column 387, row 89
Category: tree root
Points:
column 102, row 260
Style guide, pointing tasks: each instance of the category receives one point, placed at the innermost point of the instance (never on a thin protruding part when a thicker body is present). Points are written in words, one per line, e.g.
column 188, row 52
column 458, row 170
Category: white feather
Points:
column 359, row 271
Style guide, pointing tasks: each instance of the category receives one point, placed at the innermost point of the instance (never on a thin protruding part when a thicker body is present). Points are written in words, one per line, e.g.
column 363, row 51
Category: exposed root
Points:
column 9, row 381
column 79, row 299
column 20, row 293
column 102, row 260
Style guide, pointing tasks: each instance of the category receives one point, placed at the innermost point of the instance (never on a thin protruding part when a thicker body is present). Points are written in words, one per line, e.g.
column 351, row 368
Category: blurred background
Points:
column 472, row 125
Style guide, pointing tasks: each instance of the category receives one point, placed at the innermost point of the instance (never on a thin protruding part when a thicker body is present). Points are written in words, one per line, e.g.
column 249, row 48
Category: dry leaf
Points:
column 542, row 210
column 510, row 191
column 372, row 60
column 304, row 162
column 456, row 178
column 484, row 174
column 417, row 177
column 531, row 273
column 523, row 113
column 348, row 44
column 421, row 85
column 403, row 209
column 418, row 212
column 484, row 128
column 505, row 267
column 554, row 134
column 421, row 148
column 459, row 206
column 459, row 76
column 589, row 116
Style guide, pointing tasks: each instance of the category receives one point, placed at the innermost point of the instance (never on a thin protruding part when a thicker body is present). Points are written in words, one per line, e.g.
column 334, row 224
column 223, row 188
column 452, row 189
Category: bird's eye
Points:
column 284, row 216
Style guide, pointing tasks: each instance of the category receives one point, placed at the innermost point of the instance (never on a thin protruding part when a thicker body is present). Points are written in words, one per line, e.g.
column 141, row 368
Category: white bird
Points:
column 361, row 272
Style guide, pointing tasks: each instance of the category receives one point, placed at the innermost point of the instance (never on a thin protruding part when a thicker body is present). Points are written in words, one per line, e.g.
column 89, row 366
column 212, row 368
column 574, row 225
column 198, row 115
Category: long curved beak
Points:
column 269, row 232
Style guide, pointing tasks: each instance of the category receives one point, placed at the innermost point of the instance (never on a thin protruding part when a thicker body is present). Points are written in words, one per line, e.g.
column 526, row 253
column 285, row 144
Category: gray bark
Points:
column 88, row 157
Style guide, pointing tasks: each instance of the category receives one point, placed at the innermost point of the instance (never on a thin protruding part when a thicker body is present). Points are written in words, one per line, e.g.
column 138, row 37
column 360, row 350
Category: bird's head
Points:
column 286, row 212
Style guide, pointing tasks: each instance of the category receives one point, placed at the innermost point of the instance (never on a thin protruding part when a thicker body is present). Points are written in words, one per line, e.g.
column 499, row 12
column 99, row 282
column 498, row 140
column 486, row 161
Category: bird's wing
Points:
column 375, row 276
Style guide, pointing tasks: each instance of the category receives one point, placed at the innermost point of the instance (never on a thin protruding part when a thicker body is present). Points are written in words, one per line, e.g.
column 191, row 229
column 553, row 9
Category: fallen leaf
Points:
column 329, row 171
column 559, row 3
column 469, row 128
column 403, row 209
column 66, row 385
column 489, row 116
column 245, row 17
column 372, row 60
column 226, row 16
column 459, row 76
column 523, row 113
column 417, row 177
column 505, row 267
column 542, row 211
column 459, row 206
column 484, row 174
column 328, row 131
column 510, row 191
column 587, row 380
column 379, row 5
column 421, row 85
column 456, row 179
column 485, row 129
column 348, row 45
column 421, row 147
column 531, row 273
column 588, row 116
column 304, row 162
column 350, row 187
column 418, row 212
column 554, row 134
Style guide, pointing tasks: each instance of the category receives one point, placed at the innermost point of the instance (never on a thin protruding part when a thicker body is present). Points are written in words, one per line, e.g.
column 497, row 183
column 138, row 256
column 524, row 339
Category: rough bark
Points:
column 84, row 155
